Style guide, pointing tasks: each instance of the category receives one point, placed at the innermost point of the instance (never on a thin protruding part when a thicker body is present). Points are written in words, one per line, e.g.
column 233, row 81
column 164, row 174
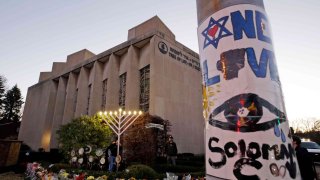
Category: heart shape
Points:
column 212, row 32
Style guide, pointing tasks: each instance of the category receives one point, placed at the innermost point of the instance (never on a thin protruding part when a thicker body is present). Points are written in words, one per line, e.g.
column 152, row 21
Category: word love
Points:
column 232, row 61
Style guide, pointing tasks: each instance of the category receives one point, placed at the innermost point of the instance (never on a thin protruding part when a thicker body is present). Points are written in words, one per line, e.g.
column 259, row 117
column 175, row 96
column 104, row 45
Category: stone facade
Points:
column 88, row 83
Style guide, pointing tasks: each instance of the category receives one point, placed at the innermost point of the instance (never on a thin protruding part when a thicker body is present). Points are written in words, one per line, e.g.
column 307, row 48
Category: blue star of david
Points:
column 223, row 32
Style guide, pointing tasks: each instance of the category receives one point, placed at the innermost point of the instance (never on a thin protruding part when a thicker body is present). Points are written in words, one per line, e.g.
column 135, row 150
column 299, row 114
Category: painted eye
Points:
column 245, row 113
column 245, row 110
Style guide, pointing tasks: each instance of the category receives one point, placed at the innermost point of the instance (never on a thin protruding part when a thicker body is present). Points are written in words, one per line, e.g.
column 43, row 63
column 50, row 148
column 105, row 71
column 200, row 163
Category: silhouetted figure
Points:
column 304, row 160
column 171, row 151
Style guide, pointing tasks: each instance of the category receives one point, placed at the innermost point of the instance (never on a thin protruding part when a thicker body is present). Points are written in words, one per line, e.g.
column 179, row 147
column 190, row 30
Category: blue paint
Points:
column 260, row 69
column 223, row 32
column 276, row 130
column 283, row 136
column 241, row 24
column 209, row 81
column 259, row 17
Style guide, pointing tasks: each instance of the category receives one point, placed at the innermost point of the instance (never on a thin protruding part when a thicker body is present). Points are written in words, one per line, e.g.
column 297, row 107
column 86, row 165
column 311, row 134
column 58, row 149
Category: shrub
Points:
column 83, row 131
column 141, row 172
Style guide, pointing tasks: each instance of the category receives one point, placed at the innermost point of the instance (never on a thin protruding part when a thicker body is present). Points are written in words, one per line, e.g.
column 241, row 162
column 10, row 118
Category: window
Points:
column 144, row 88
column 75, row 100
column 88, row 102
column 104, row 94
column 122, row 91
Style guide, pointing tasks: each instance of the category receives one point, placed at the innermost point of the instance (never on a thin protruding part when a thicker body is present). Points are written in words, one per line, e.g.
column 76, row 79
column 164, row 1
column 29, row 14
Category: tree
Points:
column 2, row 93
column 83, row 131
column 305, row 125
column 143, row 142
column 308, row 128
column 12, row 104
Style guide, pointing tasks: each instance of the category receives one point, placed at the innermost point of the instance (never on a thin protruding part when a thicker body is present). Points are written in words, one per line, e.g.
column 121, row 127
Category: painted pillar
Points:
column 247, row 131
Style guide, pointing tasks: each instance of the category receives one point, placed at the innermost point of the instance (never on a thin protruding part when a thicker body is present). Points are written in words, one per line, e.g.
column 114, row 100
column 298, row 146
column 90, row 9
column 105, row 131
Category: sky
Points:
column 36, row 33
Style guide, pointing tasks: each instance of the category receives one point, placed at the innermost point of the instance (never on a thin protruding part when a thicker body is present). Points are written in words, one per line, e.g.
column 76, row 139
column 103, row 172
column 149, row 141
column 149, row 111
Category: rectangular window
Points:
column 144, row 88
column 75, row 100
column 104, row 94
column 122, row 91
column 89, row 96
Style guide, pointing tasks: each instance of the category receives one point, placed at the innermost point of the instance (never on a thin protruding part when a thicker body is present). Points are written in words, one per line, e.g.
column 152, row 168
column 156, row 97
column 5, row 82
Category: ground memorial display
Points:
column 247, row 131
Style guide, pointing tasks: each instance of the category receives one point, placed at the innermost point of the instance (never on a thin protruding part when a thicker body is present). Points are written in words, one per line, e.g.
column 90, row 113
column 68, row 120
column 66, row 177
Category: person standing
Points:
column 171, row 151
column 304, row 160
column 112, row 153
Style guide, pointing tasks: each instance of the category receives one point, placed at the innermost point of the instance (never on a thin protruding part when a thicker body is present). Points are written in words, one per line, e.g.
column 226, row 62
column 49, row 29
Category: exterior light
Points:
column 115, row 113
column 120, row 109
column 105, row 113
column 134, row 112
column 110, row 112
column 129, row 112
column 124, row 112
column 100, row 113
column 140, row 112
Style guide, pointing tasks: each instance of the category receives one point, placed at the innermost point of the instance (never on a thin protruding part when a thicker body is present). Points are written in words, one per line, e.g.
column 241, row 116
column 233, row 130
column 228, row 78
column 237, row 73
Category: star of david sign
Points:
column 215, row 31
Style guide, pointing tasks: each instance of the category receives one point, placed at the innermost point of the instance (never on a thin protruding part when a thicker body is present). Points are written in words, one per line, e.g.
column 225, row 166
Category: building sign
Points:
column 178, row 55
column 247, row 132
column 153, row 125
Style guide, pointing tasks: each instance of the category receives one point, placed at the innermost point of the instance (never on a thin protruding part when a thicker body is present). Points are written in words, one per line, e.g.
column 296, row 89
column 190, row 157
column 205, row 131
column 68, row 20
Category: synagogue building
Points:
column 151, row 72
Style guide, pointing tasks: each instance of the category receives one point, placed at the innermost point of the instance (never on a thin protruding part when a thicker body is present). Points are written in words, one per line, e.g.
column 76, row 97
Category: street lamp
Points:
column 119, row 121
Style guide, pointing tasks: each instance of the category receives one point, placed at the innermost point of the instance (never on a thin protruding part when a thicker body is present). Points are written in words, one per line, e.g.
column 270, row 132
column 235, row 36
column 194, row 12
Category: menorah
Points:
column 119, row 121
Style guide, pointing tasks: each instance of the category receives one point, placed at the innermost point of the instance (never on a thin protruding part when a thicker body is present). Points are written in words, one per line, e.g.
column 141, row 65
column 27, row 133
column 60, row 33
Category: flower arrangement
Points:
column 36, row 171
column 90, row 178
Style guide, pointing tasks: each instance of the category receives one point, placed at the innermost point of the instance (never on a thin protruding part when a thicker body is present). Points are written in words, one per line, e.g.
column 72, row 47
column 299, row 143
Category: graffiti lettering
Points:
column 291, row 166
column 243, row 24
column 254, row 150
column 242, row 147
column 232, row 66
column 246, row 161
column 260, row 69
column 222, row 162
column 228, row 146
column 265, row 151
column 209, row 81
column 246, row 24
column 260, row 17
column 253, row 153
